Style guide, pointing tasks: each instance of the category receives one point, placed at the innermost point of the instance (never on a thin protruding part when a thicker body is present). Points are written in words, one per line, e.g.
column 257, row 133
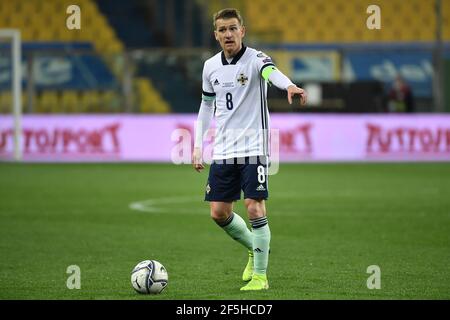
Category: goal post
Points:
column 13, row 36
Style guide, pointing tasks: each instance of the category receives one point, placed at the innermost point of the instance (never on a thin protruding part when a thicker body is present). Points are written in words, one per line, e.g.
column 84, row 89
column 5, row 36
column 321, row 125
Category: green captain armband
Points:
column 267, row 71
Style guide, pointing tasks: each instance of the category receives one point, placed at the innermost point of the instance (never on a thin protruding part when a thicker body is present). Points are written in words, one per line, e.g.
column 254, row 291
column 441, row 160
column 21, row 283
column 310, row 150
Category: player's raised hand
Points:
column 293, row 90
column 197, row 161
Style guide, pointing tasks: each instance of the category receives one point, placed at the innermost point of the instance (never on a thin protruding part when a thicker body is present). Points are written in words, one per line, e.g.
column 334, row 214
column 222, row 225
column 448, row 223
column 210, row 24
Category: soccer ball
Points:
column 149, row 276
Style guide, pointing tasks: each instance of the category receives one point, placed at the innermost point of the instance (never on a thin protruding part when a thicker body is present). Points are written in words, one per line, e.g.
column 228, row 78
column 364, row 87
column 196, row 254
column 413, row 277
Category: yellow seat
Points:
column 43, row 34
column 25, row 102
column 112, row 101
column 5, row 102
column 90, row 101
column 343, row 20
column 42, row 7
column 149, row 99
column 28, row 8
column 46, row 21
column 70, row 101
column 48, row 102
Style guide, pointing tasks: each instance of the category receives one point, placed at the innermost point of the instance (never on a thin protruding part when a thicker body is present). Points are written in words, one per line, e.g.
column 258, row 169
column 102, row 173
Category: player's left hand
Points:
column 197, row 161
column 293, row 90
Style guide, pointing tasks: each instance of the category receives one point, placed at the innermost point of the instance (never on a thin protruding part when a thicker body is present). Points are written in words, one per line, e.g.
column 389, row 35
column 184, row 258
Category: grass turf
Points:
column 329, row 222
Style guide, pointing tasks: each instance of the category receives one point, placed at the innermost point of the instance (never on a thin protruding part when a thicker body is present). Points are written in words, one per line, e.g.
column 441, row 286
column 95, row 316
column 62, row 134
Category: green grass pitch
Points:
column 329, row 223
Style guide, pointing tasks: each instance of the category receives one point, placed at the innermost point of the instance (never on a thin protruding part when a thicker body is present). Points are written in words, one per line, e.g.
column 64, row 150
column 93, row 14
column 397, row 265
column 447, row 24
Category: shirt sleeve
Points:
column 262, row 62
column 208, row 93
column 276, row 77
column 270, row 73
column 204, row 118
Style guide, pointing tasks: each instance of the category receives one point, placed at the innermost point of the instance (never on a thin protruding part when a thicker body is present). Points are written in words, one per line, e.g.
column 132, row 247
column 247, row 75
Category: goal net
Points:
column 10, row 95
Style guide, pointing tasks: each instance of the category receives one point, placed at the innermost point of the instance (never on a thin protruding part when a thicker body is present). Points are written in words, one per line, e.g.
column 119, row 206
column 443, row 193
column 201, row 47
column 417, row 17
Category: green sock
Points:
column 237, row 229
column 261, row 244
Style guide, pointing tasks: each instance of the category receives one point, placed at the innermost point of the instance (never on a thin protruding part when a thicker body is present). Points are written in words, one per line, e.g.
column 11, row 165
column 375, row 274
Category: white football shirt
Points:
column 241, row 112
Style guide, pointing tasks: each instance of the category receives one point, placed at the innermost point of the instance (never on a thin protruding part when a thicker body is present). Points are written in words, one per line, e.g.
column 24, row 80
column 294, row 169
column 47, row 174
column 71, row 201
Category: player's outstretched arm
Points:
column 277, row 78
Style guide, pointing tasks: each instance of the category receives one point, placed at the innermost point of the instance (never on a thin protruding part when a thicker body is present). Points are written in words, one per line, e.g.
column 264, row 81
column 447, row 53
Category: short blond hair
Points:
column 228, row 13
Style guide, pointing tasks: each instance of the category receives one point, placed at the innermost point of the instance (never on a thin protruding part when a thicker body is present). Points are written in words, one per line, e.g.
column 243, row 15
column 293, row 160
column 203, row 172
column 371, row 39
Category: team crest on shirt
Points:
column 242, row 79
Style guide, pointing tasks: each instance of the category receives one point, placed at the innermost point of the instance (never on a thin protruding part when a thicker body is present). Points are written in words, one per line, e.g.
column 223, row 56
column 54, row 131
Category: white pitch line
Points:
column 157, row 205
column 196, row 204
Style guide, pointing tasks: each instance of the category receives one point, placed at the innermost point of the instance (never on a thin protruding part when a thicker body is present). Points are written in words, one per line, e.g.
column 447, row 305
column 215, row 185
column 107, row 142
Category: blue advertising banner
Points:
column 416, row 68
column 76, row 72
column 309, row 65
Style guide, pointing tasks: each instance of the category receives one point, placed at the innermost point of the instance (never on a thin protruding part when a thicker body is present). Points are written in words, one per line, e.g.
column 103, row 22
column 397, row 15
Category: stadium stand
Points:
column 149, row 94
column 164, row 24
column 323, row 21
column 5, row 101
column 43, row 24
column 338, row 21
column 291, row 30
column 134, row 33
column 108, row 32
column 43, row 21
